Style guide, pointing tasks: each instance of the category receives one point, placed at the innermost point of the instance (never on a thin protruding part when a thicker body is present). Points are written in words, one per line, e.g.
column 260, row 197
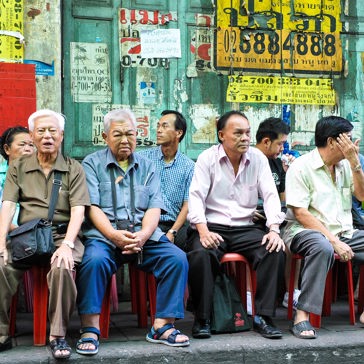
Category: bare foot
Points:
column 361, row 319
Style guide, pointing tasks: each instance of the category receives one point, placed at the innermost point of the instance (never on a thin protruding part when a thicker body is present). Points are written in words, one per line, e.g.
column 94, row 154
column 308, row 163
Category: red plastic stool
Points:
column 40, row 306
column 326, row 306
column 239, row 272
column 142, row 286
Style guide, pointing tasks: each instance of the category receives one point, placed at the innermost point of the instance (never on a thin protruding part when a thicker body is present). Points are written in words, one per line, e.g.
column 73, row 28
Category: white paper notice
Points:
column 161, row 43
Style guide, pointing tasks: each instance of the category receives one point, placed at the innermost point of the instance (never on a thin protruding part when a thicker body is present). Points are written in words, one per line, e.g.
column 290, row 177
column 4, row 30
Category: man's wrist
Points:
column 357, row 168
column 69, row 243
column 275, row 229
column 173, row 232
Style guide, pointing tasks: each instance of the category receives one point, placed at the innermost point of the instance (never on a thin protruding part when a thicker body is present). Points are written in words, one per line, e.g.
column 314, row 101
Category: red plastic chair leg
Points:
column 105, row 313
column 142, row 298
column 361, row 290
column 28, row 290
column 152, row 294
column 13, row 307
column 40, row 305
column 114, row 294
column 292, row 278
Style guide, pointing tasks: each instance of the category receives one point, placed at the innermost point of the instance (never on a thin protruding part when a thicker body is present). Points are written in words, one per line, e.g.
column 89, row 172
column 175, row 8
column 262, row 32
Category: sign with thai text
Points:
column 11, row 31
column 279, row 36
column 131, row 23
column 90, row 72
column 280, row 90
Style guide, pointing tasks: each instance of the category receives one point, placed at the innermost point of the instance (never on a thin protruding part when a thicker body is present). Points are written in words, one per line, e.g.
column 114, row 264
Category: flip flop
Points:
column 298, row 328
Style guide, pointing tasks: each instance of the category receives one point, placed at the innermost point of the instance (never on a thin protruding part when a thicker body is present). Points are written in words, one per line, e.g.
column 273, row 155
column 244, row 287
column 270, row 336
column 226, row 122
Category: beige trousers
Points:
column 62, row 292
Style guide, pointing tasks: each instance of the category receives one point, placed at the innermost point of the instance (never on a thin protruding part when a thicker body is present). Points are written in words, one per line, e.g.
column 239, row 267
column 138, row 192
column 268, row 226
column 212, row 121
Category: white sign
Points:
column 161, row 43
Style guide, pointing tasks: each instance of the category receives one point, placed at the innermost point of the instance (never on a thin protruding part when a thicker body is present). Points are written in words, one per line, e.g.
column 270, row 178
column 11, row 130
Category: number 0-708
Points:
column 302, row 43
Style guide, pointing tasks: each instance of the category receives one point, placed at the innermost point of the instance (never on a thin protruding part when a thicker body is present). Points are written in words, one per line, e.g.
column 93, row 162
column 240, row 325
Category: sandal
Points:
column 298, row 328
column 59, row 344
column 6, row 345
column 88, row 340
column 154, row 336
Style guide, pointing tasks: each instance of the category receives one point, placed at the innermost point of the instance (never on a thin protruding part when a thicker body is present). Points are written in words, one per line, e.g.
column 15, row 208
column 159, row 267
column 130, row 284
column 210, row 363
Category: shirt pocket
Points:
column 346, row 198
column 141, row 197
column 105, row 194
column 250, row 195
column 63, row 202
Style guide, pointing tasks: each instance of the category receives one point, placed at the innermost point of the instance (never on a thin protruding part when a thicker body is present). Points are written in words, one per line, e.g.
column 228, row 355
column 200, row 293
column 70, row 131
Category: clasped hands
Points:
column 129, row 242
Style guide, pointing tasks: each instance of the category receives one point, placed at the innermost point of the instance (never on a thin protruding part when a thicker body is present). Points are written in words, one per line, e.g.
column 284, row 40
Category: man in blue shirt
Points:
column 122, row 226
column 176, row 171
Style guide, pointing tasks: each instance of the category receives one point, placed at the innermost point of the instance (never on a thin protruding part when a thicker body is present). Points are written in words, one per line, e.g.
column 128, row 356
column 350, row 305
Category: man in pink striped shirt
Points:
column 223, row 197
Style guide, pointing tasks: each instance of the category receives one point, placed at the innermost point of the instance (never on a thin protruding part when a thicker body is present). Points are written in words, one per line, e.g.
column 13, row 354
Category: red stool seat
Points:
column 239, row 272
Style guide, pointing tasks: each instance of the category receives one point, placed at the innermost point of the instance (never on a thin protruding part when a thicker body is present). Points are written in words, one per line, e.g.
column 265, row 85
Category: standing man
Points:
column 29, row 183
column 122, row 226
column 223, row 199
column 176, row 171
column 319, row 192
column 271, row 136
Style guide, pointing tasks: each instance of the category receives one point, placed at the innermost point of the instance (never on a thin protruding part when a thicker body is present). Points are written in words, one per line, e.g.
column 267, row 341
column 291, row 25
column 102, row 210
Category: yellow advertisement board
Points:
column 280, row 90
column 279, row 36
column 11, row 31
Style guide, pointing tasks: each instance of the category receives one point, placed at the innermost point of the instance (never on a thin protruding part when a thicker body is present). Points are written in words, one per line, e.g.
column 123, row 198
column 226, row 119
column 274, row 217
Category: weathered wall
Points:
column 42, row 31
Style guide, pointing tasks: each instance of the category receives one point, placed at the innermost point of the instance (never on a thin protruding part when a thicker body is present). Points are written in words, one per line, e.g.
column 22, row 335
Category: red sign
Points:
column 17, row 94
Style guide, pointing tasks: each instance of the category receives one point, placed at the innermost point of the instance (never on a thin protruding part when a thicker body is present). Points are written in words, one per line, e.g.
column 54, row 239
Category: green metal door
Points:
column 104, row 68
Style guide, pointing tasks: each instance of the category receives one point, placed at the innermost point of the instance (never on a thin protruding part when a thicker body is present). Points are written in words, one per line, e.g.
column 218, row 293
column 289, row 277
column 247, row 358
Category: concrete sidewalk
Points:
column 338, row 342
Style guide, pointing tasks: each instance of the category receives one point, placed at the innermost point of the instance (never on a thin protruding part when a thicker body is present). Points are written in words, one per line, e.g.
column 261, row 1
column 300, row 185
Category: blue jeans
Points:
column 100, row 261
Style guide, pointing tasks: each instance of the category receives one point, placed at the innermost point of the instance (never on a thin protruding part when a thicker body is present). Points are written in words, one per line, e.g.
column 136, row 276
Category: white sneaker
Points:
column 296, row 294
column 248, row 303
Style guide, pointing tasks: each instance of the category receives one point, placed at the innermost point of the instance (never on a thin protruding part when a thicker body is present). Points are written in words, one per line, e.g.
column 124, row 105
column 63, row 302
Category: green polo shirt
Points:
column 26, row 184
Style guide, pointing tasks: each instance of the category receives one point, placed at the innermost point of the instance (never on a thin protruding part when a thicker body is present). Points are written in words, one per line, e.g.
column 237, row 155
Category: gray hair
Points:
column 46, row 112
column 119, row 115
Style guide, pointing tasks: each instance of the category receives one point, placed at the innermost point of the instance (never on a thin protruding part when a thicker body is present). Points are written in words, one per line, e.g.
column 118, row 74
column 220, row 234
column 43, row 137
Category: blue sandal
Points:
column 88, row 340
column 154, row 336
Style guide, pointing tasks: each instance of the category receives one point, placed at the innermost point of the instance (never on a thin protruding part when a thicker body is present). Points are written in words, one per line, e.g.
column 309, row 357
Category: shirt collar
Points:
column 317, row 161
column 161, row 155
column 111, row 160
column 32, row 163
column 222, row 155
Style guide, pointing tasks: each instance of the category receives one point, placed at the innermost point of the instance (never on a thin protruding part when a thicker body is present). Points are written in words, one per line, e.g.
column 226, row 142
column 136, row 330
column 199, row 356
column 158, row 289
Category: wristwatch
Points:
column 173, row 232
column 69, row 243
column 275, row 229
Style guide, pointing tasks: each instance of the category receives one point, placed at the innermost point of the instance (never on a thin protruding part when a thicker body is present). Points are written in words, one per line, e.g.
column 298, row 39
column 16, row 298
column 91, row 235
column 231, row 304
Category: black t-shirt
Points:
column 278, row 173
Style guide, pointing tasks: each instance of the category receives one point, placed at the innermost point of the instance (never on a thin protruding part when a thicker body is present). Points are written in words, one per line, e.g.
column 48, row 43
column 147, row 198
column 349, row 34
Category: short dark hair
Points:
column 8, row 137
column 180, row 122
column 331, row 127
column 271, row 128
column 224, row 118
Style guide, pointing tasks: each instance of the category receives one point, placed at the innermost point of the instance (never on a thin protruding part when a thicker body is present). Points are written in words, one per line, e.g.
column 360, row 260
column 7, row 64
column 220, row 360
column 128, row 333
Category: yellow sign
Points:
column 280, row 90
column 11, row 30
column 279, row 36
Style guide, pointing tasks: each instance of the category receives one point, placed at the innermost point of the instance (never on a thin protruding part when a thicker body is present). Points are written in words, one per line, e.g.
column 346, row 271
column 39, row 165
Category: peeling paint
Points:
column 204, row 118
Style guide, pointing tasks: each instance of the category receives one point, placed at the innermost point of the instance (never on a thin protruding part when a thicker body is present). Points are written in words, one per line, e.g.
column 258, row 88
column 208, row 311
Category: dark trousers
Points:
column 204, row 265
